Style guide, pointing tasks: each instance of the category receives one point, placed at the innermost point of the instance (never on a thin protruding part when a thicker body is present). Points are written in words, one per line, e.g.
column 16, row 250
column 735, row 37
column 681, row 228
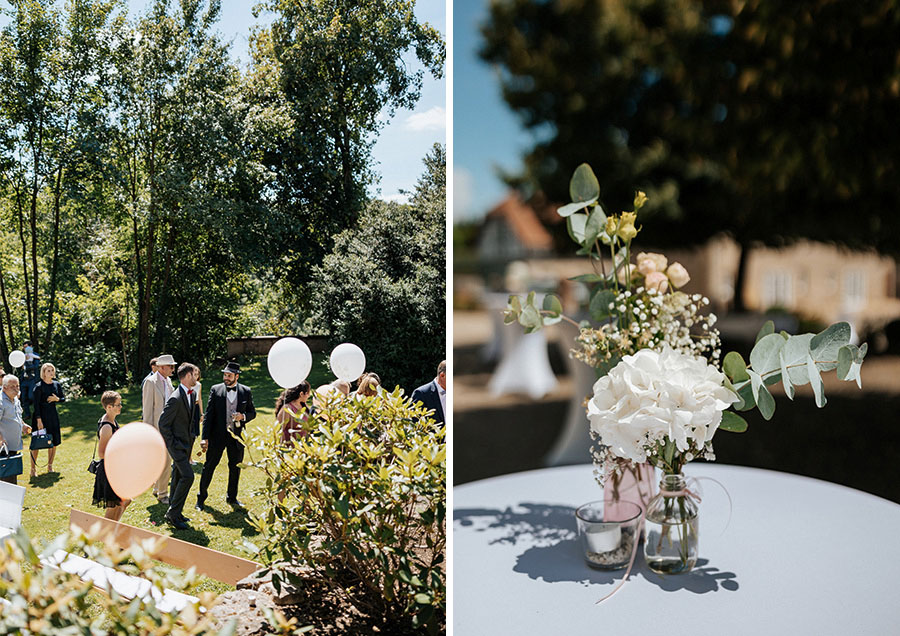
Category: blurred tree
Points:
column 770, row 122
column 325, row 75
column 383, row 285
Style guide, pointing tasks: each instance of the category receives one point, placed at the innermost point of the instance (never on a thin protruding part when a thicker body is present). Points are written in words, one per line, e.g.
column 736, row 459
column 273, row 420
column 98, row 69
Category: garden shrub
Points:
column 43, row 600
column 363, row 507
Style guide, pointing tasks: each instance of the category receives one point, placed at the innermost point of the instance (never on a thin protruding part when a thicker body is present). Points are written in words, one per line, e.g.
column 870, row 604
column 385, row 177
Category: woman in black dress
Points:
column 104, row 495
column 46, row 394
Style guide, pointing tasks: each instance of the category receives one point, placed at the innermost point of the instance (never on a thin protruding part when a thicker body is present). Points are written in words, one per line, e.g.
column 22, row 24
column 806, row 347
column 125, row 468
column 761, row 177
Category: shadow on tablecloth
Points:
column 552, row 551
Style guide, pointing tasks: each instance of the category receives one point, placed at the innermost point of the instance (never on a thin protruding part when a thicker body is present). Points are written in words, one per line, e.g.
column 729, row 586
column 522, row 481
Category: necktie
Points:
column 229, row 389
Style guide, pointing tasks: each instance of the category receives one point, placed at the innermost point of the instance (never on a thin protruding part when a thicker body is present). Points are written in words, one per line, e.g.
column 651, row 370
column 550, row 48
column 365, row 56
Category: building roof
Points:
column 523, row 221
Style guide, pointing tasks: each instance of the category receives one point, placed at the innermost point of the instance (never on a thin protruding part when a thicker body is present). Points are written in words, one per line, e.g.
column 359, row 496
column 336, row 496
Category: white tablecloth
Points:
column 800, row 556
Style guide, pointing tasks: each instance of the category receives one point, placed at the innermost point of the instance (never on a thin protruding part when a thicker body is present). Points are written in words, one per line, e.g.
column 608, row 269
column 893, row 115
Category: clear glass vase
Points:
column 671, row 528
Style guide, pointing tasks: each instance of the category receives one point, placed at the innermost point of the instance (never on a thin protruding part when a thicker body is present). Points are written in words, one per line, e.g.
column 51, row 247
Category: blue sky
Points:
column 406, row 138
column 486, row 133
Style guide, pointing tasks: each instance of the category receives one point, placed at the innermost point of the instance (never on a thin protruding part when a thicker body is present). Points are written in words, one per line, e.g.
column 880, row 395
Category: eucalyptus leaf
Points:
column 745, row 392
column 785, row 376
column 515, row 303
column 575, row 224
column 584, row 185
column 530, row 318
column 551, row 320
column 734, row 367
column 571, row 208
column 767, row 328
column 596, row 223
column 764, row 358
column 728, row 385
column 846, row 356
column 599, row 307
column 529, row 300
column 732, row 422
column 824, row 346
column 509, row 317
column 764, row 399
column 815, row 379
column 794, row 353
column 552, row 304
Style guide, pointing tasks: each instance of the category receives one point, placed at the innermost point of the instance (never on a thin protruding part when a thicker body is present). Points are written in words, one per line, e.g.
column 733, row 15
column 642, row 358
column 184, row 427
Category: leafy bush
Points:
column 43, row 600
column 362, row 504
column 383, row 285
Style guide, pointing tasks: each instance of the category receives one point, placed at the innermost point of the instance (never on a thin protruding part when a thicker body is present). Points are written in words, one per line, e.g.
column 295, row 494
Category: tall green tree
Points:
column 324, row 73
column 769, row 121
column 382, row 286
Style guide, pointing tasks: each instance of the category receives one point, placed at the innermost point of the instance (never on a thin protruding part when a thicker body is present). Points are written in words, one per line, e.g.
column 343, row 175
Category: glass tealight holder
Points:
column 609, row 532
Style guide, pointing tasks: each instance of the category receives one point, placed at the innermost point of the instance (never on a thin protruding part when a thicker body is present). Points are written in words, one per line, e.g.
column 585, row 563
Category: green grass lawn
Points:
column 49, row 497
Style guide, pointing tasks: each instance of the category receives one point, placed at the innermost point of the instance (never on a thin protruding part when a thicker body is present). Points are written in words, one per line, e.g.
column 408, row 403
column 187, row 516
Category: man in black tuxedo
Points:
column 434, row 394
column 175, row 424
column 228, row 409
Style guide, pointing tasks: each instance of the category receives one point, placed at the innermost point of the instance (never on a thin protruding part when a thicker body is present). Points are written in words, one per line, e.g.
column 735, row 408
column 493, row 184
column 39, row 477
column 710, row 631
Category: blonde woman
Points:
column 104, row 495
column 369, row 384
column 46, row 395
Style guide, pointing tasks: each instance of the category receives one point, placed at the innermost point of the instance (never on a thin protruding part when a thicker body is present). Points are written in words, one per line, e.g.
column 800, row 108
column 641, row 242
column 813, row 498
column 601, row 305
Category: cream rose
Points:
column 678, row 275
column 657, row 281
column 651, row 396
column 648, row 262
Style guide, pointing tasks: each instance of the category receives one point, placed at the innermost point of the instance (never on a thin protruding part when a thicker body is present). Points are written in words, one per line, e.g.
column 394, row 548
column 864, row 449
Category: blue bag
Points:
column 41, row 439
column 10, row 464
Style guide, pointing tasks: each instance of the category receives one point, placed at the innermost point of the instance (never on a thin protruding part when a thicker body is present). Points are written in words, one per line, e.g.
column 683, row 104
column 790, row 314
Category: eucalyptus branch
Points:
column 743, row 383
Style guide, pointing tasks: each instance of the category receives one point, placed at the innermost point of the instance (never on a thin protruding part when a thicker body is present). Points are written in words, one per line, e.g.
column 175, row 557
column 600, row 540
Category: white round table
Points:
column 799, row 556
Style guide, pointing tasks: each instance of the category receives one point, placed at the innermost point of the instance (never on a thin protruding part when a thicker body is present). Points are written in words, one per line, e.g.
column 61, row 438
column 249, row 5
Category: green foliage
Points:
column 361, row 500
column 749, row 117
column 795, row 361
column 43, row 600
column 383, row 286
column 322, row 75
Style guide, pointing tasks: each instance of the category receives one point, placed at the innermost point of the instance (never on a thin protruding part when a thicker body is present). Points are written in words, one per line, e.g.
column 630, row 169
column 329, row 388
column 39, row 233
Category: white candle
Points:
column 603, row 537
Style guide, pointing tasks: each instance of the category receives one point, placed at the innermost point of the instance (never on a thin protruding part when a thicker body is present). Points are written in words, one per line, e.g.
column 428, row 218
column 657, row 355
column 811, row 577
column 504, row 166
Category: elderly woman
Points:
column 46, row 394
column 11, row 425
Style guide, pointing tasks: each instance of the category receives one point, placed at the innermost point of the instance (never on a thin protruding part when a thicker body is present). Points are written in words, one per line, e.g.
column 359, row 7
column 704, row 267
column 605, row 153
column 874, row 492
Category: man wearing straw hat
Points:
column 155, row 390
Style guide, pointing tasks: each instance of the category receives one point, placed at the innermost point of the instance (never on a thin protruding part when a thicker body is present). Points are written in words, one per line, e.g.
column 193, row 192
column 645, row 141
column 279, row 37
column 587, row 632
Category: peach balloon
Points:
column 135, row 456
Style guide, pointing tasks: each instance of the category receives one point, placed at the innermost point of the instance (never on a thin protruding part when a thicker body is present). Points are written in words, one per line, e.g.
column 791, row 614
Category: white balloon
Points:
column 347, row 362
column 16, row 358
column 290, row 362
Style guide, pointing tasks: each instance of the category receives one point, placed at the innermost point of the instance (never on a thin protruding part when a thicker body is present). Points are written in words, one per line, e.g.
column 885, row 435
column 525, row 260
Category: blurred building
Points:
column 817, row 282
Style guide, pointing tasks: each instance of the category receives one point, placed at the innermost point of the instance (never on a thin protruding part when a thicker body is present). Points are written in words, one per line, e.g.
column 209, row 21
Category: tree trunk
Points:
column 54, row 267
column 738, row 302
column 21, row 214
column 3, row 343
column 163, row 296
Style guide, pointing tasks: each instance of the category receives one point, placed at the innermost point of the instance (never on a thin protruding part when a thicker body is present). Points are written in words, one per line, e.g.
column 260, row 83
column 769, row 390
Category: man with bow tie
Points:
column 434, row 394
column 175, row 427
column 228, row 409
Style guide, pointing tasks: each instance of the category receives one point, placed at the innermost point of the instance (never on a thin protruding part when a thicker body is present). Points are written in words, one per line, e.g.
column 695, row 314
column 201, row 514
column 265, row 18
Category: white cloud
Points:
column 435, row 118
column 396, row 198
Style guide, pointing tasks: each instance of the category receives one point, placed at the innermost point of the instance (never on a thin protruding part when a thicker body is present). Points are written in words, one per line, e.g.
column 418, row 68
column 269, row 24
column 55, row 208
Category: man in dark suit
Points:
column 228, row 409
column 434, row 394
column 175, row 427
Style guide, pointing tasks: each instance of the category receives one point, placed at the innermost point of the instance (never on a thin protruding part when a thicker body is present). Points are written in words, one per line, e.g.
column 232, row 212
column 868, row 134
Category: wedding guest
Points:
column 155, row 391
column 343, row 386
column 369, row 384
column 434, row 394
column 228, row 410
column 104, row 495
column 292, row 412
column 11, row 425
column 46, row 394
column 152, row 371
column 175, row 425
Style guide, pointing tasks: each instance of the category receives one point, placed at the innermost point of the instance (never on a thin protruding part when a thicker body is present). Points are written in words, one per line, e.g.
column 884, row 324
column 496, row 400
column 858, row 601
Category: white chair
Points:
column 12, row 498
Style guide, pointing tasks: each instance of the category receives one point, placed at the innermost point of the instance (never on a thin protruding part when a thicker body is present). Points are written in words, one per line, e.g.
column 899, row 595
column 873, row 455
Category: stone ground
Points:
column 854, row 440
